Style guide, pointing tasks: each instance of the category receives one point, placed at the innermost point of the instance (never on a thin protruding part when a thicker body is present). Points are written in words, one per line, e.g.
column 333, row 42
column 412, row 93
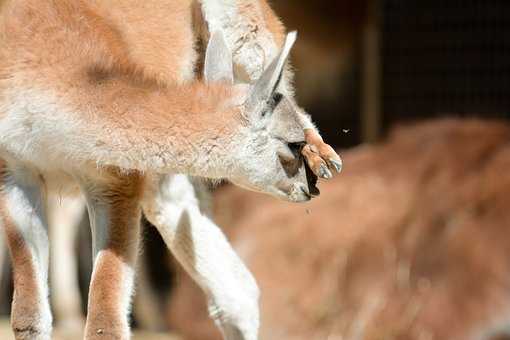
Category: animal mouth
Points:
column 311, row 179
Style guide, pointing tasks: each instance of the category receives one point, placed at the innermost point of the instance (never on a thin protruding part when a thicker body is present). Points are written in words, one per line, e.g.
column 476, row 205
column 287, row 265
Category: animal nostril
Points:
column 290, row 165
column 296, row 148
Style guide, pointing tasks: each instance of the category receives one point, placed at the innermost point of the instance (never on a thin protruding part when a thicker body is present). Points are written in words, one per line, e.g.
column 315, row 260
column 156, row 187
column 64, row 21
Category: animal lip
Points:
column 311, row 178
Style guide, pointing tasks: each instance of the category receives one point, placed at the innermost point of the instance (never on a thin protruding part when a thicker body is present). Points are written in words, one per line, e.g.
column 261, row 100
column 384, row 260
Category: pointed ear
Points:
column 218, row 60
column 264, row 88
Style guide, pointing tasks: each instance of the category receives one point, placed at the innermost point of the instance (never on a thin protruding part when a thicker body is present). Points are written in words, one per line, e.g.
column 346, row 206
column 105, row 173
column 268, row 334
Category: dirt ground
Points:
column 6, row 334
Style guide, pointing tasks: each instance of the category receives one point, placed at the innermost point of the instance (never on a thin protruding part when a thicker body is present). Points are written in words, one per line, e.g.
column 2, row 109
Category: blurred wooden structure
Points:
column 366, row 65
column 420, row 59
column 371, row 75
column 445, row 58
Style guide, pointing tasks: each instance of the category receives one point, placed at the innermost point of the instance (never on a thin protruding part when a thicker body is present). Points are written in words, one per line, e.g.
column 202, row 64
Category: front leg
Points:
column 23, row 218
column 198, row 244
column 114, row 210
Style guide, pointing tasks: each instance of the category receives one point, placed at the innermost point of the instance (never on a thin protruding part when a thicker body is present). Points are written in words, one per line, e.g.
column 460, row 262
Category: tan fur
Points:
column 103, row 87
column 127, row 36
column 273, row 23
column 104, row 72
column 116, row 255
column 105, row 317
column 25, row 300
column 158, row 35
column 27, row 295
column 99, row 92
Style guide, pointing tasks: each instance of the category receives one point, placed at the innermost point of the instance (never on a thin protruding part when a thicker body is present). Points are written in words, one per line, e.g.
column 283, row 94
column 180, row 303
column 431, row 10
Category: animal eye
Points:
column 296, row 147
column 272, row 103
column 277, row 98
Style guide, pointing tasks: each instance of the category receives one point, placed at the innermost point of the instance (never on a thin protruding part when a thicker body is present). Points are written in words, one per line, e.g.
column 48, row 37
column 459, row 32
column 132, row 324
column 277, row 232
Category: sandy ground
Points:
column 6, row 334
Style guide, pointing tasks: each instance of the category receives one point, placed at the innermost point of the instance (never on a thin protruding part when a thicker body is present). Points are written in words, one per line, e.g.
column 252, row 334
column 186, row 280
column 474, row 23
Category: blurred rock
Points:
column 409, row 242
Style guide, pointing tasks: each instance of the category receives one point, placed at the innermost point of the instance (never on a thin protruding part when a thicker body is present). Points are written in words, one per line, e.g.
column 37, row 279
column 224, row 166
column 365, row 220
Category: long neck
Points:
column 190, row 129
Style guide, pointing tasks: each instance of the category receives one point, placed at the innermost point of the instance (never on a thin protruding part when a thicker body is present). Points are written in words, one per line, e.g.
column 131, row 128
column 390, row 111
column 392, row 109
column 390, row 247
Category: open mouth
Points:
column 312, row 181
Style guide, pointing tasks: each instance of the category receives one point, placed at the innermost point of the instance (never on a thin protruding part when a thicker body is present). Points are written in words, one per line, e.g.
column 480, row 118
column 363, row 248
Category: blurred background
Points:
column 412, row 240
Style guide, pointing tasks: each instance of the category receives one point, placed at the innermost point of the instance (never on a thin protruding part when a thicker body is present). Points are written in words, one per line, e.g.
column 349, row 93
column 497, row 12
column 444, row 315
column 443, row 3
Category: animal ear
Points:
column 218, row 60
column 264, row 88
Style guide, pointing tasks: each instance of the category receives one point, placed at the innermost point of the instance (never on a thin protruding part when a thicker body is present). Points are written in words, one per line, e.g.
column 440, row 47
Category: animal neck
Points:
column 191, row 129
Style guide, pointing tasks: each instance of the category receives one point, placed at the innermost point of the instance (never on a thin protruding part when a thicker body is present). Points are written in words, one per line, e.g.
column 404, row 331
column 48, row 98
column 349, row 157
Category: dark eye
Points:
column 272, row 103
column 296, row 147
column 277, row 98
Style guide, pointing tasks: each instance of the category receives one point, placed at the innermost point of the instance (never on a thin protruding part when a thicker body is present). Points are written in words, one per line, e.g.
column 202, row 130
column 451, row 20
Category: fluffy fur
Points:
column 84, row 99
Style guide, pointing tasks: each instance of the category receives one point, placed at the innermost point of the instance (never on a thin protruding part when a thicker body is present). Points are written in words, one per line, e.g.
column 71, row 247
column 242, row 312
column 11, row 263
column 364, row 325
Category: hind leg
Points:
column 22, row 213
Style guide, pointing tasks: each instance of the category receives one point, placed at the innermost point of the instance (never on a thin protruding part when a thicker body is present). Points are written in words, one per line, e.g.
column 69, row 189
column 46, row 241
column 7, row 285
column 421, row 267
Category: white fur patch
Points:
column 25, row 203
column 37, row 130
column 203, row 250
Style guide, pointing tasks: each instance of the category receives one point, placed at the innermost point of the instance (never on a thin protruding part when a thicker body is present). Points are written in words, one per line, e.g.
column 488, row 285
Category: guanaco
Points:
column 83, row 109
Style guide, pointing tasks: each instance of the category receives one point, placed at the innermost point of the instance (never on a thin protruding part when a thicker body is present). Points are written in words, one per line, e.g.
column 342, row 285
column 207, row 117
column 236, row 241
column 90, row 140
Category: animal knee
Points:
column 237, row 311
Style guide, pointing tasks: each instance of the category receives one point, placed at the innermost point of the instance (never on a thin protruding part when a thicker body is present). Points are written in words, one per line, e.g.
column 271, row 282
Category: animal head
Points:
column 268, row 152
